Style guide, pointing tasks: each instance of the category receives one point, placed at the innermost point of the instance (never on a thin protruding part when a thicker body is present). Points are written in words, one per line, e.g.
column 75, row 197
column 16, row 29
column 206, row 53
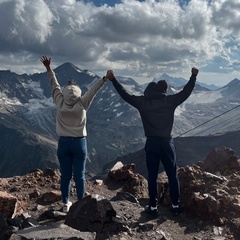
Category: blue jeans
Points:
column 72, row 154
column 161, row 149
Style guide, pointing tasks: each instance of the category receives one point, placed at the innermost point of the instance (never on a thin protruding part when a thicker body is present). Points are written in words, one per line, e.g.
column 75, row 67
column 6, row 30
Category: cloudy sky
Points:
column 139, row 39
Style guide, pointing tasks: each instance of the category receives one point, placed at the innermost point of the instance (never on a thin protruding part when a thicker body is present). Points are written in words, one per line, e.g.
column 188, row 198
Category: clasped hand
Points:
column 110, row 75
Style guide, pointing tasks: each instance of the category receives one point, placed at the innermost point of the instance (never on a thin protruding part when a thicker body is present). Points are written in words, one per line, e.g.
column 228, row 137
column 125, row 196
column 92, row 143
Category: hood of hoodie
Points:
column 71, row 94
column 153, row 91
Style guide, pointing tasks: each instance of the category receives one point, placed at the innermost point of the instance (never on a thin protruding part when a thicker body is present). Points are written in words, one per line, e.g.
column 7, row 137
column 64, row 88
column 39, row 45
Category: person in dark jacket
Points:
column 156, row 109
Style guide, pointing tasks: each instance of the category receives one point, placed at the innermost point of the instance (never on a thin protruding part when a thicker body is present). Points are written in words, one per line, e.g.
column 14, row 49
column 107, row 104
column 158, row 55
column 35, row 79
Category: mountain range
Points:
column 27, row 118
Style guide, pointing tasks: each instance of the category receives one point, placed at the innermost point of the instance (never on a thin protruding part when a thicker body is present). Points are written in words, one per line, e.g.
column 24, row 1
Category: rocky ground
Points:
column 206, row 214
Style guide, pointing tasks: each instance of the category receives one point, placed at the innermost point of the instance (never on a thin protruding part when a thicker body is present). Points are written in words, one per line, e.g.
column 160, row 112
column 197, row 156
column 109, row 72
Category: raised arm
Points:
column 88, row 97
column 188, row 88
column 133, row 100
column 56, row 89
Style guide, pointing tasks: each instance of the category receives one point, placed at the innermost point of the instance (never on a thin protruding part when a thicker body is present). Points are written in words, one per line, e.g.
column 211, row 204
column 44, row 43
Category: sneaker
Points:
column 176, row 210
column 153, row 211
column 67, row 206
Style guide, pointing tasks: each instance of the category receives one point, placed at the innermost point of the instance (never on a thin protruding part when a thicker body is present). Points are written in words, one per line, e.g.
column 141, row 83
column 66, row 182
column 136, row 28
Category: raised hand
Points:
column 195, row 71
column 46, row 62
column 110, row 75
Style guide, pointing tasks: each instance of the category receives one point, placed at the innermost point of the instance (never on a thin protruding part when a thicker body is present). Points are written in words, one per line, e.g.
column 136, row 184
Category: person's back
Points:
column 157, row 111
column 155, row 107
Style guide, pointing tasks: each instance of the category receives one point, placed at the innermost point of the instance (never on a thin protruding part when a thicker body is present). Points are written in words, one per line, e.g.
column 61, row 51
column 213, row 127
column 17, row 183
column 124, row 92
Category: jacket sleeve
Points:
column 56, row 89
column 125, row 95
column 87, row 98
column 181, row 96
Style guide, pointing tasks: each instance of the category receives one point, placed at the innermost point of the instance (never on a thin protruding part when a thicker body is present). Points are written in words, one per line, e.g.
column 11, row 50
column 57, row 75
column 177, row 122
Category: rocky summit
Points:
column 114, row 207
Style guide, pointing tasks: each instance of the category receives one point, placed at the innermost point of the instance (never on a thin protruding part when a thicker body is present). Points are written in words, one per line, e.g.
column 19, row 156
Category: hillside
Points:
column 189, row 150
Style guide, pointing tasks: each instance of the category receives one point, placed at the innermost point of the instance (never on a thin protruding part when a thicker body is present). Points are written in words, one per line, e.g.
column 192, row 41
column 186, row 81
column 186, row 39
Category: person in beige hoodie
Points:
column 71, row 122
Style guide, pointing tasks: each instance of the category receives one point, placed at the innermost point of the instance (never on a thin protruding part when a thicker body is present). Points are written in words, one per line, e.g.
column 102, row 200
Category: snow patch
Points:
column 119, row 114
column 178, row 111
column 204, row 97
column 131, row 89
column 8, row 101
column 35, row 86
column 36, row 104
column 117, row 105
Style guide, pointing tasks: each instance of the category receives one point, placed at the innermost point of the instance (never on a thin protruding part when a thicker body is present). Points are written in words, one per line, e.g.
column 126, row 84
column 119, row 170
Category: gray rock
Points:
column 90, row 214
column 54, row 231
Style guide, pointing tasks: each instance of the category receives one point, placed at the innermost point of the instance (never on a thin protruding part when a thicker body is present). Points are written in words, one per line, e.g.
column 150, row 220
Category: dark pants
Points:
column 72, row 154
column 161, row 149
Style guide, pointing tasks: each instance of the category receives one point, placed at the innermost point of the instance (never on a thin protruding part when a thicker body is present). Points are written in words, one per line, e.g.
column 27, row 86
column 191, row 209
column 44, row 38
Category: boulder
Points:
column 9, row 205
column 217, row 160
column 90, row 214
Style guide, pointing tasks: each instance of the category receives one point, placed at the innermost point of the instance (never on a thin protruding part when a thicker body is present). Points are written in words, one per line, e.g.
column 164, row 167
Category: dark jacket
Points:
column 156, row 108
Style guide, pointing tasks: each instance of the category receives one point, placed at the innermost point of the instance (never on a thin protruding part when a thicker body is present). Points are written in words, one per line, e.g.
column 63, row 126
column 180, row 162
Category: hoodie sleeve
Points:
column 56, row 89
column 125, row 95
column 181, row 96
column 87, row 98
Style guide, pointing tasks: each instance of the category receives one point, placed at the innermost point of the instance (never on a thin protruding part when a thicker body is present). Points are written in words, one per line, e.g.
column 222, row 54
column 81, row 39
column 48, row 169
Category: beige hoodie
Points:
column 72, row 107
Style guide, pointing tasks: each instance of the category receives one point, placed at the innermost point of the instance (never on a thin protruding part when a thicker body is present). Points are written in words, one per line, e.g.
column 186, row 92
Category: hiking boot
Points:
column 153, row 211
column 176, row 210
column 67, row 206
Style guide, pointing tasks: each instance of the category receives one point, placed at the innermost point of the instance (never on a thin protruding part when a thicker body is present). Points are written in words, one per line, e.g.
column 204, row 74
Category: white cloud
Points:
column 226, row 15
column 24, row 24
column 136, row 39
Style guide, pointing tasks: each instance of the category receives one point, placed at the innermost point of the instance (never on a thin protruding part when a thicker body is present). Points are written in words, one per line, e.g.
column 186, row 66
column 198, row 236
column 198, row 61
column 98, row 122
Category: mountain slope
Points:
column 189, row 150
column 24, row 150
column 114, row 127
